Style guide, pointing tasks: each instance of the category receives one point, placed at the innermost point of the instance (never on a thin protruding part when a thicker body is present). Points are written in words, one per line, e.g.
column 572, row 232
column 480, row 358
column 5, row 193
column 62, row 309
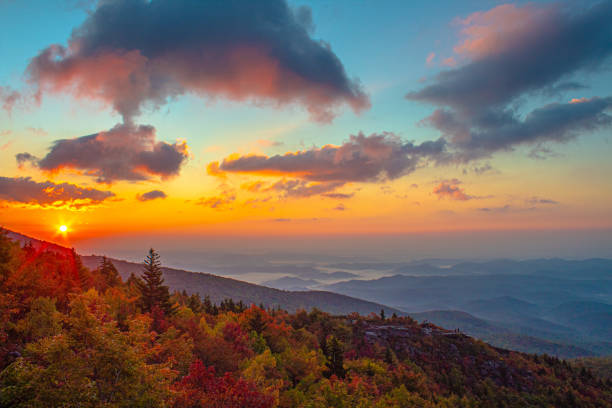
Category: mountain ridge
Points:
column 219, row 288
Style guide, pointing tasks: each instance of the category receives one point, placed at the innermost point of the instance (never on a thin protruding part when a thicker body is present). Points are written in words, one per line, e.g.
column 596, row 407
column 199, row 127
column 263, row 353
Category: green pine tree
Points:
column 153, row 292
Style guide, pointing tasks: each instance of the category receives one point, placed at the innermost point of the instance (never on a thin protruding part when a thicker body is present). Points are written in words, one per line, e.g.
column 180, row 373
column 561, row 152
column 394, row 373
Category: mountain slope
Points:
column 497, row 335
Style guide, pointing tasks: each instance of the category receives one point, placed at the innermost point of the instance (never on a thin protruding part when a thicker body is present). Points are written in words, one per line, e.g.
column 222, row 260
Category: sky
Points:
column 399, row 129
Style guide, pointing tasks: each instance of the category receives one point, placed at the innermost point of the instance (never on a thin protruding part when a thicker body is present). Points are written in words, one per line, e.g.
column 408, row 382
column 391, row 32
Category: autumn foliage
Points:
column 72, row 337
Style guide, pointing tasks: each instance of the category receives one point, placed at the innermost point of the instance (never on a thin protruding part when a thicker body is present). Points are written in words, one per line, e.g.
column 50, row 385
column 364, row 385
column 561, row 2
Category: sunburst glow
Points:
column 63, row 228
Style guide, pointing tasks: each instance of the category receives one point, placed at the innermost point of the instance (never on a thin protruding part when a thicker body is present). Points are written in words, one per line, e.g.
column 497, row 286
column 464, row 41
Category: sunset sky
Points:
column 182, row 121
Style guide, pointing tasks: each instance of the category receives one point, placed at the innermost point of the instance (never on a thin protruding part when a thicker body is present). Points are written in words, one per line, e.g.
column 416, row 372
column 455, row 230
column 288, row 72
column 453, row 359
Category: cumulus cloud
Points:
column 450, row 189
column 132, row 53
column 126, row 152
column 25, row 191
column 511, row 52
column 151, row 195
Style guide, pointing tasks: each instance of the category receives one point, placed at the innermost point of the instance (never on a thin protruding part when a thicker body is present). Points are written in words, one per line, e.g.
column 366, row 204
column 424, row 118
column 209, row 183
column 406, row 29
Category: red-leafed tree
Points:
column 201, row 388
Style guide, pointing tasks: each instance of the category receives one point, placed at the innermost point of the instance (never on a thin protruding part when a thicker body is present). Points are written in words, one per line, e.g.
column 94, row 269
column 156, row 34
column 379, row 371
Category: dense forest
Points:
column 77, row 337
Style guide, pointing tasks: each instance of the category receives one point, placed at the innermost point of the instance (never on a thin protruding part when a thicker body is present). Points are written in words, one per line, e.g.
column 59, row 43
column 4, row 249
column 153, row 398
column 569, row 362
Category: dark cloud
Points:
column 339, row 196
column 450, row 189
column 151, row 195
column 361, row 159
column 131, row 53
column 513, row 52
column 126, row 152
column 557, row 122
column 25, row 158
column 24, row 190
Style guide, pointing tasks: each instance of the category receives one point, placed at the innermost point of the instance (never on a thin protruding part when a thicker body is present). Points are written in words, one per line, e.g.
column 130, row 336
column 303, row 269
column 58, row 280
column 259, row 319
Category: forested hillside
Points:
column 74, row 337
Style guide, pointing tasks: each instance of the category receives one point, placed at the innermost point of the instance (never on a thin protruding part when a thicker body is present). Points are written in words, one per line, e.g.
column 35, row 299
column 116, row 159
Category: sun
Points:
column 63, row 228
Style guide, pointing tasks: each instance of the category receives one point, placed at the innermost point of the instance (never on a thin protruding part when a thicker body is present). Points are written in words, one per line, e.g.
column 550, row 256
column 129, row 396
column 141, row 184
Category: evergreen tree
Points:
column 6, row 255
column 81, row 276
column 208, row 306
column 382, row 314
column 108, row 273
column 194, row 302
column 153, row 292
column 335, row 357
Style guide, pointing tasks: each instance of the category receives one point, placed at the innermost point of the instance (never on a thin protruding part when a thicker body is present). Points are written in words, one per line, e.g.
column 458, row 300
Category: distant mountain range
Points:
column 545, row 306
column 220, row 288
column 291, row 283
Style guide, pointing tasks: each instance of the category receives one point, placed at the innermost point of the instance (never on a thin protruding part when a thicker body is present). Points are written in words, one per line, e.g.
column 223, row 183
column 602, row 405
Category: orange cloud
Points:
column 450, row 189
column 26, row 192
column 221, row 202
